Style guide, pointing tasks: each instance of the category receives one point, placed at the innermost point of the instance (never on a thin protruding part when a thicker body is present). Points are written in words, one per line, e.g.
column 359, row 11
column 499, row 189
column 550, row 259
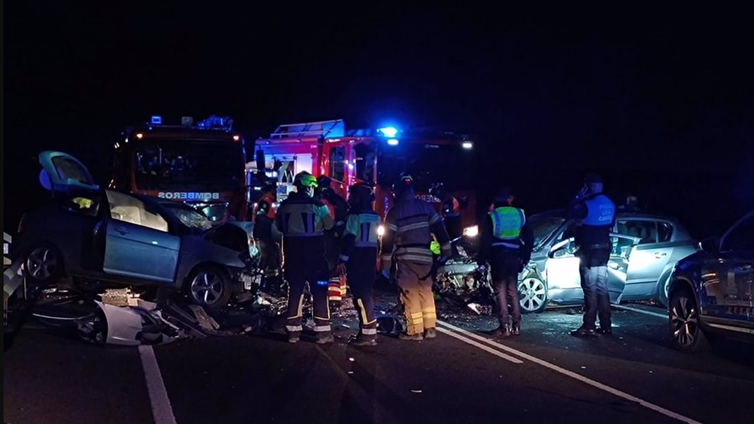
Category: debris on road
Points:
column 416, row 391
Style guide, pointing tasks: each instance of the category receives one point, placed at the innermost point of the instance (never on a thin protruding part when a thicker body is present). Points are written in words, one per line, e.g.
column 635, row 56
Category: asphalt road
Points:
column 544, row 375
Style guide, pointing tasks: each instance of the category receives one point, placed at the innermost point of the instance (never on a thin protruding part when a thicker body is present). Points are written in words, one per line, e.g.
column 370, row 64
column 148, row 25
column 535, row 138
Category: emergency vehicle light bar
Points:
column 335, row 128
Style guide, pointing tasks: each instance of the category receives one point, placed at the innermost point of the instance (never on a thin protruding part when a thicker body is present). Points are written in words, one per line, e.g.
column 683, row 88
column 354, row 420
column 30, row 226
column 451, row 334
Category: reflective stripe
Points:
column 369, row 331
column 429, row 315
column 323, row 319
column 294, row 328
column 387, row 257
column 414, row 226
column 322, row 328
column 506, row 244
column 391, row 227
column 414, row 250
column 416, row 258
column 417, row 321
column 416, row 315
column 363, row 310
column 435, row 218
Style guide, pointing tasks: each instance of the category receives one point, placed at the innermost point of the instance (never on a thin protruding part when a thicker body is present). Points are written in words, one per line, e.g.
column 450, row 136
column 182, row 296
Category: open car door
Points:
column 62, row 172
column 563, row 266
column 138, row 243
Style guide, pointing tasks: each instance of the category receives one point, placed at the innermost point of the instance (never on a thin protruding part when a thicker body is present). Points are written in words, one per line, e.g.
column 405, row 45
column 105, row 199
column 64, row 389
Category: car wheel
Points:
column 209, row 287
column 44, row 264
column 533, row 294
column 685, row 326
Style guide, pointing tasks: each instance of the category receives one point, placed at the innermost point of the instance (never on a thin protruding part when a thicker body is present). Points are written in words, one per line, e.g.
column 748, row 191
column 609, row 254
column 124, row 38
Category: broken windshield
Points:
column 188, row 165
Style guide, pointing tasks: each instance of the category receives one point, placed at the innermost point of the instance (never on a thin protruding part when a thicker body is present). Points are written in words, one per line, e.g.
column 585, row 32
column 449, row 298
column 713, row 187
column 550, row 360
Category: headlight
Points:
column 471, row 231
column 381, row 230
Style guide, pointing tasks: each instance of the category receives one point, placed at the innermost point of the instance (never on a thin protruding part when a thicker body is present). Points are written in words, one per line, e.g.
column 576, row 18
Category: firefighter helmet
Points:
column 405, row 182
column 361, row 194
column 305, row 179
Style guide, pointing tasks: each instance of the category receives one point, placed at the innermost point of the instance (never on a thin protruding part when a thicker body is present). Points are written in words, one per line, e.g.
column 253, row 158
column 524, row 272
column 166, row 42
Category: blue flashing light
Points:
column 393, row 142
column 156, row 120
column 389, row 131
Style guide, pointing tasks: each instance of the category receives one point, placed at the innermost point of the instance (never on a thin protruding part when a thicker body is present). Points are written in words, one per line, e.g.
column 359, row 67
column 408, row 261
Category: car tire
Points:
column 685, row 325
column 209, row 287
column 44, row 264
column 532, row 294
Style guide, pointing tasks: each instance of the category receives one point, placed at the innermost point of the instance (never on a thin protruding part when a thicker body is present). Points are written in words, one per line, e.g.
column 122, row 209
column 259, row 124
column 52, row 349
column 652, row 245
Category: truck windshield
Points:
column 427, row 164
column 188, row 164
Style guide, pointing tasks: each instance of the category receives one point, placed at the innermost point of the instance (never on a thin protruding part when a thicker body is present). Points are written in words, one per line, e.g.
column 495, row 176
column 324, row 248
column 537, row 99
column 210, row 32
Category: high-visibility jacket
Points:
column 507, row 222
column 360, row 232
column 303, row 216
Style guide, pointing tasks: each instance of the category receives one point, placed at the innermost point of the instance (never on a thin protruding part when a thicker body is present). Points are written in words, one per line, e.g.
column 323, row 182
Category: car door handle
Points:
column 121, row 230
column 659, row 255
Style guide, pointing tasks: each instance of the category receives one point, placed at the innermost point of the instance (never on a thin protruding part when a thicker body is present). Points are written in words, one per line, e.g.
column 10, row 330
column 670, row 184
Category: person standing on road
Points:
column 506, row 241
column 594, row 214
column 358, row 258
column 267, row 241
column 409, row 226
column 336, row 289
column 303, row 220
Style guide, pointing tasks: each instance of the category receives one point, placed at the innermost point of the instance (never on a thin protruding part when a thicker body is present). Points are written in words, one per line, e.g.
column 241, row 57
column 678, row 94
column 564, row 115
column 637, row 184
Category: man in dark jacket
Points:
column 506, row 241
column 594, row 214
column 336, row 289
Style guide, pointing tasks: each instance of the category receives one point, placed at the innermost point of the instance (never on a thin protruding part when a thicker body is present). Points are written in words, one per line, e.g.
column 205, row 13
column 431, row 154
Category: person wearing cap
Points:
column 506, row 242
column 358, row 257
column 594, row 216
column 303, row 221
column 336, row 288
column 409, row 226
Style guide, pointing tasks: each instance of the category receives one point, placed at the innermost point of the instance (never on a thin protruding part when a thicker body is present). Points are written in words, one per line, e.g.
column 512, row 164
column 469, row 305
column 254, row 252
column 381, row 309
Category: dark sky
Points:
column 544, row 91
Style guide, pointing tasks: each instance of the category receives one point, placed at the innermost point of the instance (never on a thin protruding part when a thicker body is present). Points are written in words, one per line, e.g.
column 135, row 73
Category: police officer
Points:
column 358, row 257
column 506, row 241
column 303, row 220
column 409, row 226
column 338, row 207
column 594, row 214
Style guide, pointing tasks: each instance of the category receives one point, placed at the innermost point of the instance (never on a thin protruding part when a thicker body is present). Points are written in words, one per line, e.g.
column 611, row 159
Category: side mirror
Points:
column 710, row 244
column 561, row 249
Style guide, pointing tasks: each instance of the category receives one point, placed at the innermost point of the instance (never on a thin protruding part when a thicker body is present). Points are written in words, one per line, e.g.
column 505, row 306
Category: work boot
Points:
column 362, row 340
column 413, row 337
column 430, row 333
column 294, row 336
column 516, row 329
column 583, row 332
column 325, row 337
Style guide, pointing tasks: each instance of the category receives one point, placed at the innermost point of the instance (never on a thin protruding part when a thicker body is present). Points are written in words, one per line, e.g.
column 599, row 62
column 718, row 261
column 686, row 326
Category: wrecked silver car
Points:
column 110, row 238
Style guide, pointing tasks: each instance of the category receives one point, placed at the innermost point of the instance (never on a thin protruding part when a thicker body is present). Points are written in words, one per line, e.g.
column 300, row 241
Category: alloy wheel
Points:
column 42, row 263
column 533, row 294
column 684, row 320
column 207, row 287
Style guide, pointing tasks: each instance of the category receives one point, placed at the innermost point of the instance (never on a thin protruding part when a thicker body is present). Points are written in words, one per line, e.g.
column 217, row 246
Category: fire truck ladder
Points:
column 325, row 129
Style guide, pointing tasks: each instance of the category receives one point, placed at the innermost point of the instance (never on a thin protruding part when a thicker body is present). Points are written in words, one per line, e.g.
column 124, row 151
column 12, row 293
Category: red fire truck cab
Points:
column 376, row 156
column 202, row 165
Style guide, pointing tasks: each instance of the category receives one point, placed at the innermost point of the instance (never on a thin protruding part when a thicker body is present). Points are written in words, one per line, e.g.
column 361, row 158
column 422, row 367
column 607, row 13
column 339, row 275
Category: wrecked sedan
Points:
column 117, row 239
column 646, row 247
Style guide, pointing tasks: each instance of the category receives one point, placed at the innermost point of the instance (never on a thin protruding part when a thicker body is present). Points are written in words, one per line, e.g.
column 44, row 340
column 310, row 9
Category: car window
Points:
column 664, row 231
column 132, row 210
column 69, row 169
column 190, row 218
column 646, row 230
column 741, row 237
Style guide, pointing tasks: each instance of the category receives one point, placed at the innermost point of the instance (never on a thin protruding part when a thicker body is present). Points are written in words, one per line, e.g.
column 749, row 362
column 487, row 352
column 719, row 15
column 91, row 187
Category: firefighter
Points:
column 336, row 289
column 594, row 214
column 506, row 242
column 303, row 221
column 358, row 257
column 451, row 210
column 409, row 226
column 266, row 239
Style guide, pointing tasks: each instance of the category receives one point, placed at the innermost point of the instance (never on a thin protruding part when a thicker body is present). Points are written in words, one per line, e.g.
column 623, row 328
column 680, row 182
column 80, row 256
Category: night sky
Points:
column 659, row 100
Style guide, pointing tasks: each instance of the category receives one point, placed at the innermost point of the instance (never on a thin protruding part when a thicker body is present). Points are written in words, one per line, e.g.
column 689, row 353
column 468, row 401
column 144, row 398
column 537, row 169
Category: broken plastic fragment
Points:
column 416, row 391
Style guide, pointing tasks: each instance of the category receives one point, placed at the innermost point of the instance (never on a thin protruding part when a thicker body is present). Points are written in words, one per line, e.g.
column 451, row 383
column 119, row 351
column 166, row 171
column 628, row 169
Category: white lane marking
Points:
column 641, row 311
column 481, row 346
column 573, row 375
column 158, row 396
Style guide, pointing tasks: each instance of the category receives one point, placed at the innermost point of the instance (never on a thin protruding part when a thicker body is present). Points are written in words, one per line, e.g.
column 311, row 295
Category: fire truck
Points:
column 201, row 164
column 377, row 156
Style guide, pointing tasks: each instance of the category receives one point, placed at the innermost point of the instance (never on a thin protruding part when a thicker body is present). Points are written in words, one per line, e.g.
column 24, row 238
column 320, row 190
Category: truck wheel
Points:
column 532, row 294
column 685, row 325
column 209, row 287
